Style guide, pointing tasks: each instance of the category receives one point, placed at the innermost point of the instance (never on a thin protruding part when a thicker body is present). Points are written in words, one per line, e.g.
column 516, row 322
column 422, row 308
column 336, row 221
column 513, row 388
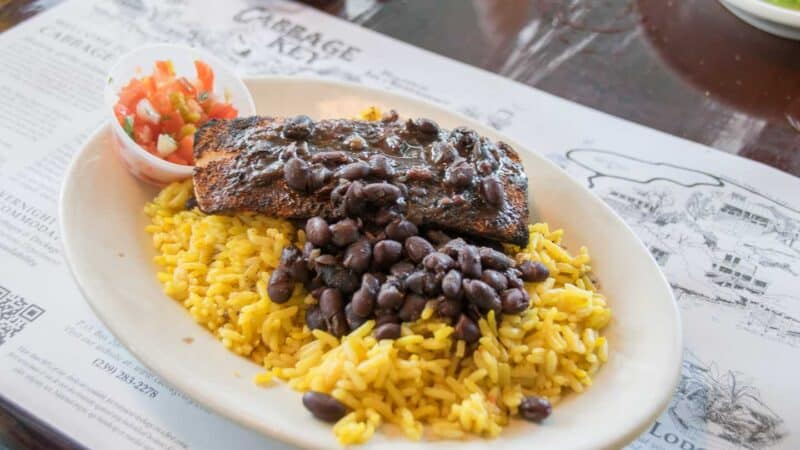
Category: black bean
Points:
column 438, row 262
column 390, row 296
column 314, row 319
column 473, row 312
column 384, row 216
column 317, row 231
column 323, row 406
column 381, row 193
column 280, row 285
column 467, row 330
column 464, row 137
column 412, row 308
column 401, row 229
column 448, row 308
column 493, row 191
column 535, row 409
column 355, row 142
column 315, row 283
column 318, row 178
column 381, row 167
column 533, row 271
column 337, row 325
column 451, row 285
column 372, row 283
column 383, row 316
column 470, row 261
column 495, row 279
column 493, row 259
column 357, row 256
column 353, row 320
column 353, row 171
column 292, row 259
column 401, row 269
column 482, row 295
column 438, row 238
column 354, row 199
column 338, row 277
column 432, row 283
column 289, row 255
column 386, row 253
column 330, row 302
column 459, row 175
column 324, row 260
column 363, row 302
column 414, row 282
column 514, row 301
column 419, row 173
column 344, row 232
column 453, row 247
column 513, row 277
column 296, row 174
column 308, row 249
column 298, row 127
column 417, row 248
column 485, row 167
column 333, row 158
column 426, row 127
column 317, row 293
column 387, row 331
column 267, row 174
column 339, row 192
column 443, row 153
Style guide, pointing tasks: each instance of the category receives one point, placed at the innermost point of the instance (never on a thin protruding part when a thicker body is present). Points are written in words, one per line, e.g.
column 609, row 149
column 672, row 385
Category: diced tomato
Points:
column 205, row 76
column 171, row 123
column 186, row 87
column 151, row 148
column 121, row 111
column 175, row 158
column 143, row 133
column 163, row 73
column 149, row 84
column 185, row 148
column 222, row 111
column 130, row 95
column 162, row 103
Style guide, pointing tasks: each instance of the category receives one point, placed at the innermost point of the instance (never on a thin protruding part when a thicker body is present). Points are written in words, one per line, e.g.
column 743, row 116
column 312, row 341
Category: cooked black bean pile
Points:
column 359, row 271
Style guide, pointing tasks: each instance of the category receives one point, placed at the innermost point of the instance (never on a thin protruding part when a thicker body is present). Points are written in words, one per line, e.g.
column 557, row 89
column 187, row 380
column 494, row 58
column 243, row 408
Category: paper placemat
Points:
column 725, row 230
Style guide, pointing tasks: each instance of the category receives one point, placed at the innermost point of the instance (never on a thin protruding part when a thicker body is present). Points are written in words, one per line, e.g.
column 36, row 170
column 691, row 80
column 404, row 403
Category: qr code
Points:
column 15, row 314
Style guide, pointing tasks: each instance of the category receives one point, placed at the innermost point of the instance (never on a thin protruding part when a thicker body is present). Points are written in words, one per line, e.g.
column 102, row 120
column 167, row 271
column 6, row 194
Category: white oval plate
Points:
column 102, row 226
column 773, row 19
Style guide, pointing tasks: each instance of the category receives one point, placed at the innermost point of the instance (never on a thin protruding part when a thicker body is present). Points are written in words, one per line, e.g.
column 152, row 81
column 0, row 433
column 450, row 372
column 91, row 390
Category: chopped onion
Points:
column 166, row 145
column 146, row 112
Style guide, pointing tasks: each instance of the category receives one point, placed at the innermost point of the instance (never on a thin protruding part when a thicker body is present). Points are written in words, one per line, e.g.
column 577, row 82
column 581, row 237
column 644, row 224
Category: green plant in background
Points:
column 792, row 4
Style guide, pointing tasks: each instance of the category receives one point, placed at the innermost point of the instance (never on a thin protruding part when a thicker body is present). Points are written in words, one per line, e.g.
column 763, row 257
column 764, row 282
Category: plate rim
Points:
column 768, row 11
column 228, row 411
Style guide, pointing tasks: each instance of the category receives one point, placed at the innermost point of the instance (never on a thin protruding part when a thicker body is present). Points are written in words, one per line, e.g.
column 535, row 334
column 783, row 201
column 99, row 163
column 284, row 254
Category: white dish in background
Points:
column 765, row 16
column 111, row 260
column 138, row 63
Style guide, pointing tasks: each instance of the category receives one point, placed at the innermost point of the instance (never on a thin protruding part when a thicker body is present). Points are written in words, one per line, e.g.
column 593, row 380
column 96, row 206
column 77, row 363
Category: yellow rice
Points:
column 423, row 382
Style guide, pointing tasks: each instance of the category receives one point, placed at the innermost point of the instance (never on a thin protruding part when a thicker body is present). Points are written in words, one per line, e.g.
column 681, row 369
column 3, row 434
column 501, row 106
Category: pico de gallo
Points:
column 161, row 112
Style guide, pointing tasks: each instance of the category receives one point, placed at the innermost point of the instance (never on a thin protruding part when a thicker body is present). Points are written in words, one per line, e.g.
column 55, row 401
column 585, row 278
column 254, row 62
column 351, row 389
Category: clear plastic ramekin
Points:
column 140, row 62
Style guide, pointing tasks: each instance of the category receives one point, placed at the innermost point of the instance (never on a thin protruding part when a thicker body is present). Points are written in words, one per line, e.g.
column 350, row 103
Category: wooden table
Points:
column 686, row 67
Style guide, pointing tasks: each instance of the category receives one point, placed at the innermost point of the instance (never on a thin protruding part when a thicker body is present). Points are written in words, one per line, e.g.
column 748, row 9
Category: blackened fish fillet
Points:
column 297, row 168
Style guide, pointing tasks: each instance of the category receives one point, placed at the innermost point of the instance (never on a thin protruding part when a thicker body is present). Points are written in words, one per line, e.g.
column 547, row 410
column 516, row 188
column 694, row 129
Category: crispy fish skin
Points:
column 240, row 167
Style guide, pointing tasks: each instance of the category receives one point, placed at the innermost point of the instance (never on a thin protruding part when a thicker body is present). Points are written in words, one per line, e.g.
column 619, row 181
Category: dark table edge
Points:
column 48, row 435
